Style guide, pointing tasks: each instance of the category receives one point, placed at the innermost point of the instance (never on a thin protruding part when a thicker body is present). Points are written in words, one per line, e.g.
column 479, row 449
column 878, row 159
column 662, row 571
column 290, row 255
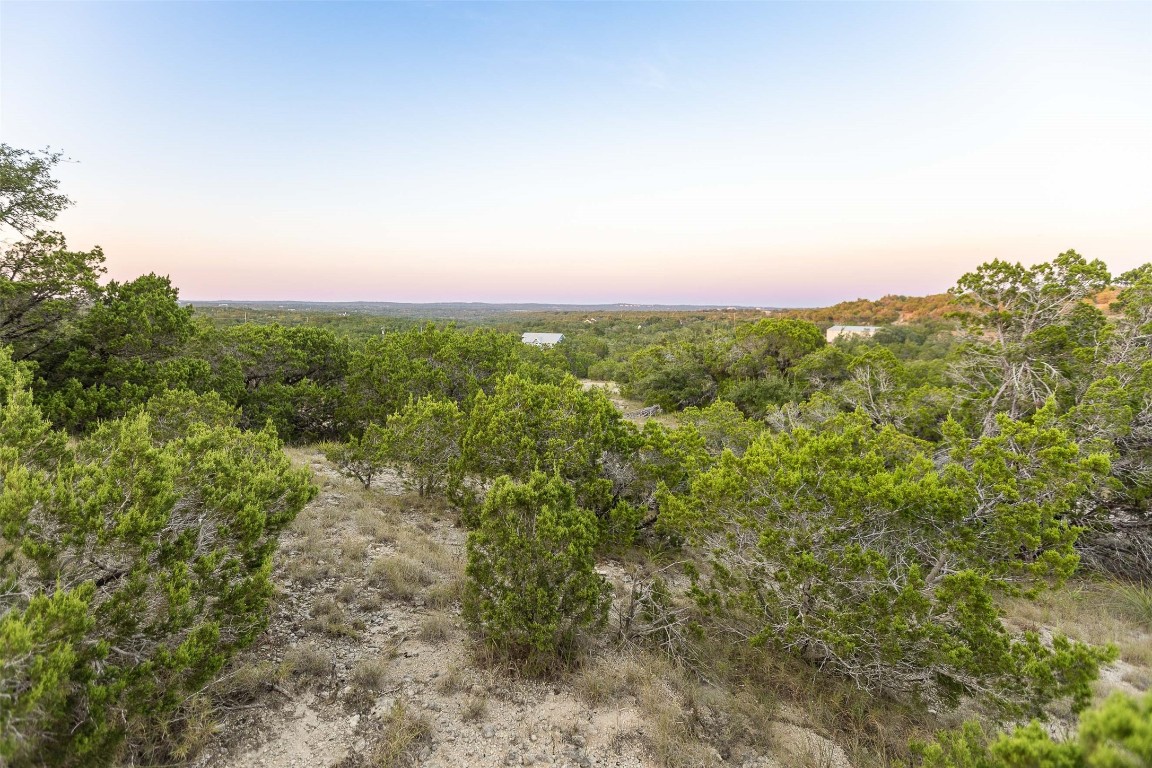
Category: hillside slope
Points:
column 366, row 664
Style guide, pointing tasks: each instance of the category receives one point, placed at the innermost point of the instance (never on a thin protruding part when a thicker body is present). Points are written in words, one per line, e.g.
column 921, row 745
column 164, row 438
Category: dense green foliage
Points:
column 852, row 548
column 133, row 563
column 527, row 426
column 1114, row 734
column 420, row 442
column 424, row 442
column 532, row 584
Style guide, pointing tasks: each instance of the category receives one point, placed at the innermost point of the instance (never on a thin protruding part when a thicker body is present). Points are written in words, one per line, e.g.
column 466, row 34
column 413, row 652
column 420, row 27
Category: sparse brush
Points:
column 1100, row 612
column 428, row 552
column 399, row 577
column 611, row 679
column 307, row 574
column 1134, row 602
column 377, row 525
column 475, row 708
column 329, row 617
column 445, row 594
column 370, row 674
column 435, row 628
column 666, row 731
column 176, row 739
column 246, row 682
column 406, row 733
column 307, row 662
column 308, row 524
column 352, row 550
column 452, row 681
column 347, row 593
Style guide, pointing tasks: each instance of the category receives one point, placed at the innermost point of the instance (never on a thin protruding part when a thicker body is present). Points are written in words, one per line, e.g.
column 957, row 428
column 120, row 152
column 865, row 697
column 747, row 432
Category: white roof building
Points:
column 542, row 339
column 837, row 331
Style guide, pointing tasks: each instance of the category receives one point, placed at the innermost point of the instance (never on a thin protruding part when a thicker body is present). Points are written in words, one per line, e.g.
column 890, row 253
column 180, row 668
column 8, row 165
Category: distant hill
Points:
column 462, row 310
column 883, row 311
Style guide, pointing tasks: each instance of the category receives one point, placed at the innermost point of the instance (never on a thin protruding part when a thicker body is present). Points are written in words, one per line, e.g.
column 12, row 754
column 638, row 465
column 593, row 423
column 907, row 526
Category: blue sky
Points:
column 753, row 153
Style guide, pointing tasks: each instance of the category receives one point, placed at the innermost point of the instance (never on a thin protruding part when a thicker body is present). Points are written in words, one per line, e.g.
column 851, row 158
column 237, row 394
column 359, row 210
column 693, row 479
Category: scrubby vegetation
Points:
column 866, row 511
column 1115, row 734
column 532, row 584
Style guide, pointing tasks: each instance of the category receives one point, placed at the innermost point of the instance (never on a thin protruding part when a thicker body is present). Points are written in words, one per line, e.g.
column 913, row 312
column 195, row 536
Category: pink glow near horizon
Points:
column 742, row 153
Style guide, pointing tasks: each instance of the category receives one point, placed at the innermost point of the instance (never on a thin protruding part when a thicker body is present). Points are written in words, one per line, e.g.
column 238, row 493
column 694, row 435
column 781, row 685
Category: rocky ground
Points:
column 365, row 663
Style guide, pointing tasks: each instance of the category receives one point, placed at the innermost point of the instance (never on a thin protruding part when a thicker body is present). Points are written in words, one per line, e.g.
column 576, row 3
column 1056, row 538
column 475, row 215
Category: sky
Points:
column 764, row 154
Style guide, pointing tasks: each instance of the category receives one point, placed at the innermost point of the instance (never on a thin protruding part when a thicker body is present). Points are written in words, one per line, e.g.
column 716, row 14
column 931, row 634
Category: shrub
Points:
column 854, row 550
column 1114, row 734
column 406, row 733
column 424, row 441
column 531, row 582
column 308, row 662
column 525, row 426
column 133, row 564
column 363, row 457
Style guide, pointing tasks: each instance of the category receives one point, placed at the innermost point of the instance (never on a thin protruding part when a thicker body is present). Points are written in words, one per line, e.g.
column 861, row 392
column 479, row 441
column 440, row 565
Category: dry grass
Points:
column 306, row 663
column 348, row 592
column 371, row 674
column 305, row 570
column 352, row 550
column 1134, row 603
column 431, row 554
column 611, row 679
column 668, row 732
column 1098, row 612
column 436, row 628
column 452, row 681
column 399, row 577
column 247, row 681
column 1139, row 678
column 370, row 601
column 719, row 694
column 329, row 617
column 434, row 508
column 474, row 709
column 444, row 594
column 378, row 525
column 688, row 722
column 406, row 733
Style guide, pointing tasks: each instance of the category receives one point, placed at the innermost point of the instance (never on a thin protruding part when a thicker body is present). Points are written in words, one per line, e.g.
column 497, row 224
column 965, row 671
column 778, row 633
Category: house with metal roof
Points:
column 542, row 339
